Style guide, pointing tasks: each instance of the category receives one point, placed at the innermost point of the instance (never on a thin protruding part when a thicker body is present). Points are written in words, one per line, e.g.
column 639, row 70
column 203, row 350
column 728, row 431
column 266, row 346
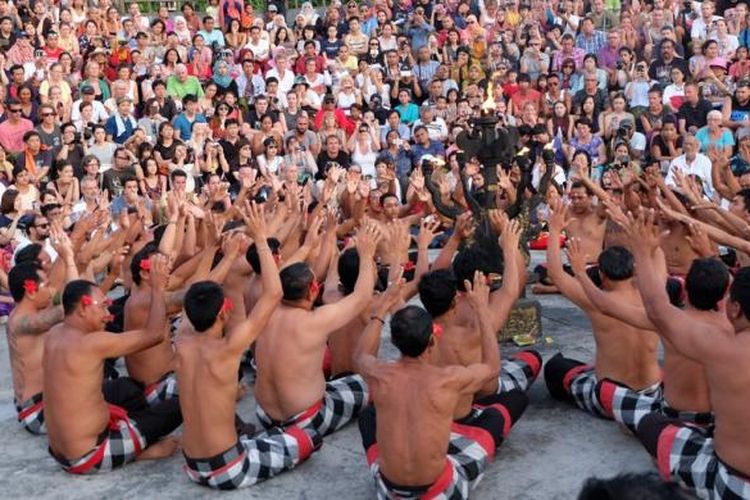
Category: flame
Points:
column 488, row 106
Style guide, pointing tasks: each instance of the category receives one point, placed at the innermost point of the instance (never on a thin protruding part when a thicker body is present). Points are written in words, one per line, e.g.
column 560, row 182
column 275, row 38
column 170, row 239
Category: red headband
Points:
column 226, row 306
column 145, row 265
column 30, row 286
column 437, row 330
column 315, row 287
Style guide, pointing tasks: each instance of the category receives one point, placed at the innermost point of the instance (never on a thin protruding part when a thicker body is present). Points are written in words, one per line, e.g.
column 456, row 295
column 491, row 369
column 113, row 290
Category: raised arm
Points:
column 334, row 316
column 240, row 337
column 601, row 300
column 366, row 351
column 108, row 345
column 683, row 331
column 501, row 301
column 567, row 285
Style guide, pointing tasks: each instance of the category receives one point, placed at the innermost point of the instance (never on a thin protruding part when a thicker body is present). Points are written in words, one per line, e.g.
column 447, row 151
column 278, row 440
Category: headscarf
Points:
column 223, row 81
column 183, row 34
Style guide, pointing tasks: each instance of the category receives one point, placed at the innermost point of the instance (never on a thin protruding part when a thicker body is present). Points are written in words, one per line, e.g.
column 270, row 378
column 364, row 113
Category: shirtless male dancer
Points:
column 586, row 222
column 290, row 387
column 685, row 392
column 414, row 447
column 711, row 466
column 207, row 364
column 154, row 367
column 460, row 343
column 28, row 325
column 624, row 354
column 92, row 427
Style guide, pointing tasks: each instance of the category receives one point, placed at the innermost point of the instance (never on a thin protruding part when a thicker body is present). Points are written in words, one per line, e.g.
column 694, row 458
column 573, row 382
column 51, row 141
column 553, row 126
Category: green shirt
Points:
column 179, row 90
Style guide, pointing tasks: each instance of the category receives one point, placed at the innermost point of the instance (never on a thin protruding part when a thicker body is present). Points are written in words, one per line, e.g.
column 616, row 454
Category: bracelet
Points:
column 373, row 317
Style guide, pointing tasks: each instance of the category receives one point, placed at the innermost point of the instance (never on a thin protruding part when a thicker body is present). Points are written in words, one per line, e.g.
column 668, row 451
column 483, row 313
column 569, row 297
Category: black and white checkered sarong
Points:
column 686, row 454
column 166, row 388
column 344, row 398
column 628, row 407
column 255, row 459
column 122, row 443
column 519, row 371
column 31, row 415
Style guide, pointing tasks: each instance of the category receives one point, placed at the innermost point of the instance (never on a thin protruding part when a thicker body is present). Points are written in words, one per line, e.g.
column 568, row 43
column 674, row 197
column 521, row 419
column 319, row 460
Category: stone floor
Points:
column 548, row 455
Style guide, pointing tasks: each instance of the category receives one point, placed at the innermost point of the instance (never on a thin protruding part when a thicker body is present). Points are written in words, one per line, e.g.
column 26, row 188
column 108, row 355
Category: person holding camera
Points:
column 72, row 148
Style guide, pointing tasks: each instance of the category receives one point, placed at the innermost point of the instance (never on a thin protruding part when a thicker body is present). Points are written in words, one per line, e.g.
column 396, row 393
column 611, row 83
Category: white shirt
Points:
column 24, row 241
column 436, row 129
column 286, row 83
column 99, row 113
column 700, row 28
column 700, row 167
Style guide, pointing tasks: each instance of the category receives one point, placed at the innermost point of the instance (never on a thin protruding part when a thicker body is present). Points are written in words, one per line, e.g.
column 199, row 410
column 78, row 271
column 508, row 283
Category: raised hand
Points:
column 614, row 212
column 159, row 271
column 232, row 245
column 368, row 237
column 417, row 179
column 557, row 217
column 478, row 293
column 576, row 257
column 699, row 241
column 643, row 231
column 256, row 221
column 464, row 227
column 498, row 220
column 510, row 237
column 429, row 229
column 312, row 238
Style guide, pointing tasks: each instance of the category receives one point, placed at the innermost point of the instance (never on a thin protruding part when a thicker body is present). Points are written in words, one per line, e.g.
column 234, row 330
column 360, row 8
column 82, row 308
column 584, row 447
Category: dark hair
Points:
column 472, row 259
column 411, row 331
column 648, row 486
column 178, row 172
column 437, row 291
column 706, row 283
column 135, row 264
column 202, row 303
column 252, row 253
column 348, row 268
column 73, row 293
column 579, row 184
column 745, row 193
column 616, row 263
column 18, row 275
column 189, row 98
column 8, row 201
column 740, row 290
column 296, row 280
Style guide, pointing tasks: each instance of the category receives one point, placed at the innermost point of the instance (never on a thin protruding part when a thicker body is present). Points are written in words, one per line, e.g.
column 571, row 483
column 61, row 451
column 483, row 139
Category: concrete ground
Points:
column 548, row 455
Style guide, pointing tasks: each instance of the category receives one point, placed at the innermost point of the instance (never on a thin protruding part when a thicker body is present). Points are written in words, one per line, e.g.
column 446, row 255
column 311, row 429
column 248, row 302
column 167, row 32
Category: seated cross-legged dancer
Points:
column 207, row 364
column 27, row 328
column 685, row 394
column 461, row 344
column 414, row 447
column 91, row 428
column 290, row 387
column 33, row 290
column 711, row 466
column 624, row 353
column 154, row 367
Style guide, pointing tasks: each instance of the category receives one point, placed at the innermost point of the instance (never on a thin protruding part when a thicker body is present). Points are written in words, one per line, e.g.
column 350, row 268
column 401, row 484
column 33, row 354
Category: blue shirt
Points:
column 110, row 126
column 215, row 36
column 184, row 126
column 419, row 34
column 435, row 149
column 591, row 45
column 409, row 113
column 726, row 139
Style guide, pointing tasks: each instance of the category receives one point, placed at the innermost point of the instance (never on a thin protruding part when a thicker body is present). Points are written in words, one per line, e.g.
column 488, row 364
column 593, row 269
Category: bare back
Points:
column 415, row 406
column 624, row 353
column 729, row 380
column 149, row 365
column 25, row 353
column 74, row 407
column 234, row 289
column 459, row 345
column 208, row 389
column 688, row 387
column 289, row 357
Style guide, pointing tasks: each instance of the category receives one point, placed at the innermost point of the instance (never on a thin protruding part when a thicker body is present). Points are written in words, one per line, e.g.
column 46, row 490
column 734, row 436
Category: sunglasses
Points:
column 46, row 114
column 41, row 226
column 18, row 110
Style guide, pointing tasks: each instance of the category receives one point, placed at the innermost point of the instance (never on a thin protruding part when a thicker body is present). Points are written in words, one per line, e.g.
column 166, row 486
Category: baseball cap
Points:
column 88, row 89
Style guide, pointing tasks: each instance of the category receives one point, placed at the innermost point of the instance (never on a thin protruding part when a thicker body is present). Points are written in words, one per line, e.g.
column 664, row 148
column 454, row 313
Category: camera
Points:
column 263, row 194
column 619, row 65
